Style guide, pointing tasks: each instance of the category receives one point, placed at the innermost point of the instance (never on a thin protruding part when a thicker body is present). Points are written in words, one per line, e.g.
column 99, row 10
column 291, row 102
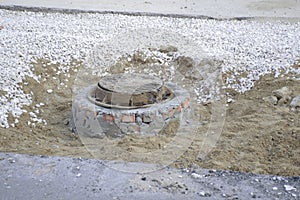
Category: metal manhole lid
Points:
column 130, row 83
column 128, row 91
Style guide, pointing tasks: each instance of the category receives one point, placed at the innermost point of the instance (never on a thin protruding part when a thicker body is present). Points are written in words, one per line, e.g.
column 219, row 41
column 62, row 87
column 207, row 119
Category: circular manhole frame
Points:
column 130, row 91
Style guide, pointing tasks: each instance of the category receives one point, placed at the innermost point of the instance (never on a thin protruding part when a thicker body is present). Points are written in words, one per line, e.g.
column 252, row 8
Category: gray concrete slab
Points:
column 216, row 8
column 41, row 177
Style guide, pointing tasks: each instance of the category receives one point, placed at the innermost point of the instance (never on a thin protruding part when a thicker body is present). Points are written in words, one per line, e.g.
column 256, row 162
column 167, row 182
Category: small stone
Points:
column 201, row 158
column 253, row 195
column 11, row 160
column 49, row 91
column 202, row 193
column 185, row 64
column 167, row 49
column 271, row 99
column 230, row 100
column 78, row 175
column 195, row 175
column 275, row 188
column 139, row 120
column 66, row 121
column 289, row 188
column 146, row 118
column 284, row 100
column 226, row 195
column 283, row 92
column 295, row 103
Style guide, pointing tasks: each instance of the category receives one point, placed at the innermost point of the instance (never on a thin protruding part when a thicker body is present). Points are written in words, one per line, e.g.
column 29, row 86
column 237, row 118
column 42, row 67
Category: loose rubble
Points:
column 271, row 99
column 283, row 95
column 295, row 103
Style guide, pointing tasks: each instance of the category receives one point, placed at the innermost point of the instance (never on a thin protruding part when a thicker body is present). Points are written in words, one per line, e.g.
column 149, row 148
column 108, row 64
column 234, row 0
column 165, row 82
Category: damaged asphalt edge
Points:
column 90, row 178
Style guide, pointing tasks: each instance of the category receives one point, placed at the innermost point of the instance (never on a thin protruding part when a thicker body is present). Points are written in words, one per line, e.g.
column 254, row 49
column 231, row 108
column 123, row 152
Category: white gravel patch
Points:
column 251, row 48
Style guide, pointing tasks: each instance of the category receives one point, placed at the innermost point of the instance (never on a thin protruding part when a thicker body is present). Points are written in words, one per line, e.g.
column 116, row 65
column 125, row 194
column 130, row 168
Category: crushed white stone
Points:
column 49, row 91
column 249, row 48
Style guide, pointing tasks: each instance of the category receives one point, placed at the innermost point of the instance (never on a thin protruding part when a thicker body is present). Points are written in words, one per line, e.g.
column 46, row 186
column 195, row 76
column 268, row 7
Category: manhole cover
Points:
column 128, row 91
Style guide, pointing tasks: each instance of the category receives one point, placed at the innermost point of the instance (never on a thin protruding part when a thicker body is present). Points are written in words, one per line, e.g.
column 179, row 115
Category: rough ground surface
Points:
column 43, row 52
column 257, row 136
column 42, row 177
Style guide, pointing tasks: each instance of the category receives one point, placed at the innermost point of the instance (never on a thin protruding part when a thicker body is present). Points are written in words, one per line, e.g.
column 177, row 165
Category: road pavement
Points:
column 212, row 8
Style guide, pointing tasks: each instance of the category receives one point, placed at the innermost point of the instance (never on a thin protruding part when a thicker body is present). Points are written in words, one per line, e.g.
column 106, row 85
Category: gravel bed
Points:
column 248, row 49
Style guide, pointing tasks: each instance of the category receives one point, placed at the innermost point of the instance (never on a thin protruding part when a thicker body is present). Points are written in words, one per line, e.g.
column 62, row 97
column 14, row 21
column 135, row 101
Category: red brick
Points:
column 87, row 113
column 96, row 114
column 128, row 118
column 108, row 117
column 185, row 103
column 136, row 128
column 172, row 112
column 178, row 109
